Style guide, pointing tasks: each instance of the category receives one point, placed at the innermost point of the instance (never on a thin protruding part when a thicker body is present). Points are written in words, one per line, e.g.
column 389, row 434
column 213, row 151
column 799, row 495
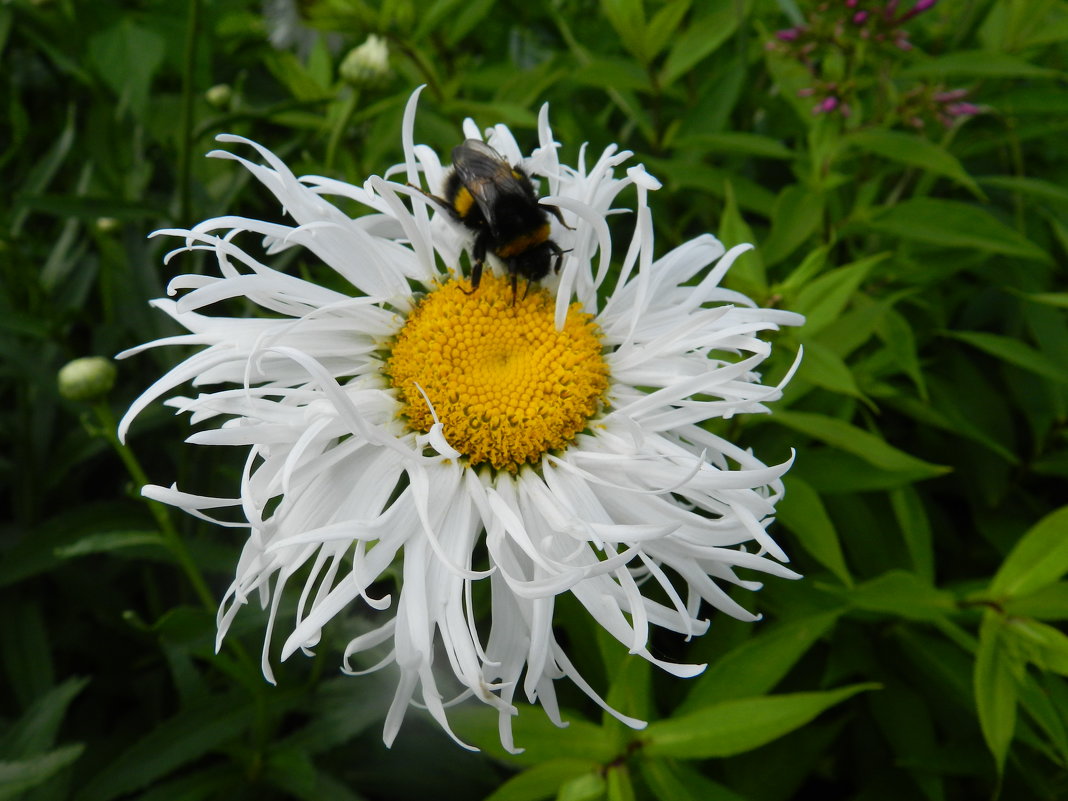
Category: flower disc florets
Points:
column 504, row 382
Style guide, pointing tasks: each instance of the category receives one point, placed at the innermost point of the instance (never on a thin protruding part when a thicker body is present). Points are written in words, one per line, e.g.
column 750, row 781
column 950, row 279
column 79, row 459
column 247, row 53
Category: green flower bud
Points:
column 367, row 66
column 219, row 95
column 107, row 225
column 86, row 379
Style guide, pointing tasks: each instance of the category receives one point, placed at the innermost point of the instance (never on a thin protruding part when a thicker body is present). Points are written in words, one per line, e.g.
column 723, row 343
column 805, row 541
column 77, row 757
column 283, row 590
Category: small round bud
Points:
column 367, row 66
column 219, row 95
column 107, row 225
column 86, row 379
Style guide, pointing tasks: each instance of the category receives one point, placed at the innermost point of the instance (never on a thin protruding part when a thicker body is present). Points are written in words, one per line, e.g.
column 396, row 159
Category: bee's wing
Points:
column 488, row 177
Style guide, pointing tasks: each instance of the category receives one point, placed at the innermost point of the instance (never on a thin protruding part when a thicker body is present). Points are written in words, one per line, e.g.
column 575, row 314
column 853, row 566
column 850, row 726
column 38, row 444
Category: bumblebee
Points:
column 498, row 203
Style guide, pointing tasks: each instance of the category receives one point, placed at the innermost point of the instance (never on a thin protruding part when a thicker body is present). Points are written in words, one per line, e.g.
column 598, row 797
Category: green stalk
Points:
column 171, row 538
column 185, row 145
column 348, row 108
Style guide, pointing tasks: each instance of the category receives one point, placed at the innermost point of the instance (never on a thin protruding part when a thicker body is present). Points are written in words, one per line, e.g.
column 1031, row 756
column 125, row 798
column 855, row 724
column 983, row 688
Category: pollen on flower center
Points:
column 505, row 384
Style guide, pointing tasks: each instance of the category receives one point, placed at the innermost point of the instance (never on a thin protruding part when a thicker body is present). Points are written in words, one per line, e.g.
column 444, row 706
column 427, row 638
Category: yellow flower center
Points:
column 505, row 384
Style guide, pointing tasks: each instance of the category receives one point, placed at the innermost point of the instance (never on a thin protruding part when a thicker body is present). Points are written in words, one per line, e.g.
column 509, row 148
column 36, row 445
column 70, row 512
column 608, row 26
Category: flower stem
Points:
column 185, row 151
column 344, row 116
column 171, row 538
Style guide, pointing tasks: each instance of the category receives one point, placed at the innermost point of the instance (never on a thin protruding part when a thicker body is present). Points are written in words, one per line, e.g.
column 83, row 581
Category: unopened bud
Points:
column 367, row 65
column 219, row 95
column 86, row 379
column 107, row 225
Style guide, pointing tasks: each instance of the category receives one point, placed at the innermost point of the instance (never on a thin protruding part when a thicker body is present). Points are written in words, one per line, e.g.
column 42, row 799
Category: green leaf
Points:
column 977, row 64
column 914, row 151
column 1047, row 603
column 915, row 529
column 1038, row 559
column 835, row 472
column 339, row 710
column 37, row 729
column 1059, row 299
column 662, row 27
column 215, row 781
column 905, row 719
column 904, row 594
column 620, row 787
column 627, row 17
column 110, row 541
column 44, row 171
column 758, row 664
column 290, row 71
column 952, row 224
column 631, row 688
column 703, row 37
column 584, row 788
column 734, row 727
column 995, row 690
column 6, row 19
column 797, row 215
column 1036, row 700
column 1034, row 187
column 293, row 772
column 539, row 738
column 849, row 438
column 127, row 57
column 20, row 775
column 899, row 340
column 605, row 72
column 1038, row 643
column 747, row 274
column 88, row 208
column 749, row 144
column 675, row 781
column 811, row 266
column 543, row 781
column 466, row 19
column 26, row 648
column 1014, row 352
column 825, row 368
column 689, row 174
column 945, row 666
column 193, row 732
column 823, row 299
column 947, row 416
column 803, row 512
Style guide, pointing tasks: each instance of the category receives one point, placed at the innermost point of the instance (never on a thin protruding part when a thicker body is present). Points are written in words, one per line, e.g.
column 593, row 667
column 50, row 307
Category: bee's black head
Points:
column 535, row 262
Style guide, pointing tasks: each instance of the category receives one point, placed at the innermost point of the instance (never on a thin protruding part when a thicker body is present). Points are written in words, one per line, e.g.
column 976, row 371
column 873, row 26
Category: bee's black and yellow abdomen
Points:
column 461, row 201
column 523, row 242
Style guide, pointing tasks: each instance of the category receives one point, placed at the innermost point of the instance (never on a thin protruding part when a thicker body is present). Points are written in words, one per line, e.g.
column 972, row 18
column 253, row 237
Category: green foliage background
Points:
column 919, row 658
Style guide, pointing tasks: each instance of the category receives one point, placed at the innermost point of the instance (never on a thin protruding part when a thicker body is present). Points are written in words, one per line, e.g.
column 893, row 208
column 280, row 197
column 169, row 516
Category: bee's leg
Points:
column 526, row 291
column 555, row 211
column 559, row 255
column 440, row 201
column 478, row 258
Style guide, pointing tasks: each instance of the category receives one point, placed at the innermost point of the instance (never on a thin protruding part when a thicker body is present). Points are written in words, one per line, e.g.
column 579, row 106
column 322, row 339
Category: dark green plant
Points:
column 921, row 655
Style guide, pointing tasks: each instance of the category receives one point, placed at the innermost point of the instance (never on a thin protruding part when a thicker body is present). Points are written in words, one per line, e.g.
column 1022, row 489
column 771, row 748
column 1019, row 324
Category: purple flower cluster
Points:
column 838, row 44
column 936, row 102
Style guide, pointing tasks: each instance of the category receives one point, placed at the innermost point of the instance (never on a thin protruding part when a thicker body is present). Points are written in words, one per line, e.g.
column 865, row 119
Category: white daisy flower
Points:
column 544, row 444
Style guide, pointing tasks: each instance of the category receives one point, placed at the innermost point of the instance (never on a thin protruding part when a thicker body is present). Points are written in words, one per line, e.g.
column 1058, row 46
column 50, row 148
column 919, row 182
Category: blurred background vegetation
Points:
column 901, row 167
